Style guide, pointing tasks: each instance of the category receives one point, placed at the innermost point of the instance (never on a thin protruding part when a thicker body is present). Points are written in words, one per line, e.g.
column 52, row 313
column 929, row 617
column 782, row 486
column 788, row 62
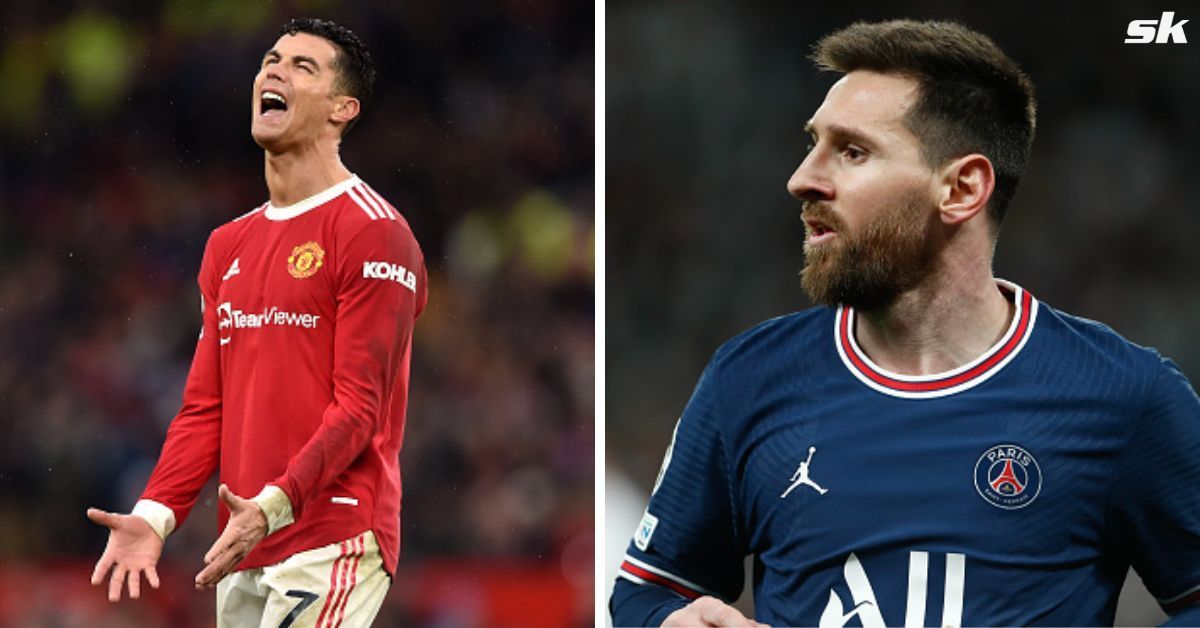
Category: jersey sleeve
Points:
column 191, row 451
column 1156, row 499
column 381, row 289
column 688, row 543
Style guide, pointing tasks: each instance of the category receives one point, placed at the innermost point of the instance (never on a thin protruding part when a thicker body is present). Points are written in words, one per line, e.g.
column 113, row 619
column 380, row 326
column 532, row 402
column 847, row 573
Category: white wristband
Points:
column 161, row 518
column 276, row 506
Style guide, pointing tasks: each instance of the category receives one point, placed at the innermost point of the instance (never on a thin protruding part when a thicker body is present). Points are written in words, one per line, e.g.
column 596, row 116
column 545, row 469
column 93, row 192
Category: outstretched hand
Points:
column 247, row 526
column 133, row 549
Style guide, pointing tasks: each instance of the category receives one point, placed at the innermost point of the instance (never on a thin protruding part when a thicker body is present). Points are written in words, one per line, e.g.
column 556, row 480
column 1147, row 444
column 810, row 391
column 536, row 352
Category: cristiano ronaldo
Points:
column 298, row 388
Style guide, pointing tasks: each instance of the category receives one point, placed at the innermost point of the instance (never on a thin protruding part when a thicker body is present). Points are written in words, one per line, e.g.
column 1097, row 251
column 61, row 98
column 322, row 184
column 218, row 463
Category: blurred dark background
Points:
column 705, row 107
column 124, row 140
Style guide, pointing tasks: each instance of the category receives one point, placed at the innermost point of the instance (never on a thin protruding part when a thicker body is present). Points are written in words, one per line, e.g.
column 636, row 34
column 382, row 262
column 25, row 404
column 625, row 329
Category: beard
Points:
column 871, row 268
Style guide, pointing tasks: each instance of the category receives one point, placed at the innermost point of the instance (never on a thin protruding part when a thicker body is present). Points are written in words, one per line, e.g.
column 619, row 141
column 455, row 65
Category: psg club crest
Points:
column 1008, row 477
column 305, row 260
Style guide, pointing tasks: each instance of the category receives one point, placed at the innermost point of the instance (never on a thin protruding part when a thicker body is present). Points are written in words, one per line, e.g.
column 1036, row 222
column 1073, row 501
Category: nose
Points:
column 272, row 72
column 808, row 183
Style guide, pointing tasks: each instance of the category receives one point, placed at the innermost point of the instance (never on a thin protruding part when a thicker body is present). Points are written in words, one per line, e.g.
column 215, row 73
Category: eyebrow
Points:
column 298, row 58
column 839, row 130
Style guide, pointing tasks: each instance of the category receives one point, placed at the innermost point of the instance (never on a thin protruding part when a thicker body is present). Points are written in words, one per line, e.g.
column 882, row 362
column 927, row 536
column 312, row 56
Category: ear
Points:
column 966, row 186
column 345, row 109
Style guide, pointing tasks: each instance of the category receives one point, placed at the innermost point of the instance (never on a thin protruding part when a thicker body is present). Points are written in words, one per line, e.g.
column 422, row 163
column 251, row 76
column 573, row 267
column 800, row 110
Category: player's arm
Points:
column 685, row 560
column 1155, row 503
column 376, row 310
column 189, row 457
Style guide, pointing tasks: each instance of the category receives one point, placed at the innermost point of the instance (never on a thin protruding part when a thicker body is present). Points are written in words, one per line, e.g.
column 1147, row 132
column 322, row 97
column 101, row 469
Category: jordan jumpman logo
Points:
column 801, row 476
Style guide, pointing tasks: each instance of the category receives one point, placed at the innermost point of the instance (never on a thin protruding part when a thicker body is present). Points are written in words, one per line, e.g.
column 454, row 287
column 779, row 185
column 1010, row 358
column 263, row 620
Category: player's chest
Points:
column 280, row 277
column 849, row 471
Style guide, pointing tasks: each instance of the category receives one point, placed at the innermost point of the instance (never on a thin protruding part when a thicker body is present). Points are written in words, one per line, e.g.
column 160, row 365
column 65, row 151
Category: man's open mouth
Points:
column 818, row 231
column 271, row 103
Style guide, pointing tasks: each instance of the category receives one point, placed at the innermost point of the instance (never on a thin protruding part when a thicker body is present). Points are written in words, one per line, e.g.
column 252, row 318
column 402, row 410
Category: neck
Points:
column 295, row 175
column 948, row 320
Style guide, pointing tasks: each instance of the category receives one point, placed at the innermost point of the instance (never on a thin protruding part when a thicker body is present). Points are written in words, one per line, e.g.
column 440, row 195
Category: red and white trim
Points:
column 639, row 572
column 372, row 203
column 342, row 578
column 940, row 384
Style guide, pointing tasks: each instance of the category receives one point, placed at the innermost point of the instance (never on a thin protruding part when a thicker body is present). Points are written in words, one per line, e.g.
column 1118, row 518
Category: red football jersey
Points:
column 300, row 376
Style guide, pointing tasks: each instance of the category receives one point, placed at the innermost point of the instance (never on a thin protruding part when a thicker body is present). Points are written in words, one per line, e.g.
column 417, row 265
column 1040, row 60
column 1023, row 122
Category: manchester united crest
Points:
column 305, row 260
column 1008, row 477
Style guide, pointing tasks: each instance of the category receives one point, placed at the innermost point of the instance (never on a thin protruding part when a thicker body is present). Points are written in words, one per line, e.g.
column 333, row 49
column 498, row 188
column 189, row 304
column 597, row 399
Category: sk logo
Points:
column 1162, row 31
column 800, row 477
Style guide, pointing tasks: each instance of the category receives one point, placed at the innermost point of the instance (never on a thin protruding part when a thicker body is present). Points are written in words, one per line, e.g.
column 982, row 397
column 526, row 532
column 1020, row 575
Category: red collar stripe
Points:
column 1025, row 308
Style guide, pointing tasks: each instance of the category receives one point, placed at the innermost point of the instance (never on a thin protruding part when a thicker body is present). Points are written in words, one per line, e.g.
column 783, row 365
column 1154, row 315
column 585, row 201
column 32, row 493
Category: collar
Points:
column 316, row 200
column 962, row 378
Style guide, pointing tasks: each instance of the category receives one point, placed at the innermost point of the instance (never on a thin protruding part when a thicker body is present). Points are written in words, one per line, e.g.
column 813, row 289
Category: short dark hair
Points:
column 972, row 97
column 355, row 69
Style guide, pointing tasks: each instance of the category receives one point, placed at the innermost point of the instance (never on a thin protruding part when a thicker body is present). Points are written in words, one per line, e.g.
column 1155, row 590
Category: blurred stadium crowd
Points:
column 715, row 95
column 124, row 140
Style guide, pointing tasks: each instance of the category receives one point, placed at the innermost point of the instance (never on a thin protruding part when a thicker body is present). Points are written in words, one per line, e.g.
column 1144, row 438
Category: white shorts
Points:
column 342, row 584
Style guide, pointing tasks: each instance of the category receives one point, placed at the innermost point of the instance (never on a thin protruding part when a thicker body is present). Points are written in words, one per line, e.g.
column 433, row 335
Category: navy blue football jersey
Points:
column 1015, row 490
